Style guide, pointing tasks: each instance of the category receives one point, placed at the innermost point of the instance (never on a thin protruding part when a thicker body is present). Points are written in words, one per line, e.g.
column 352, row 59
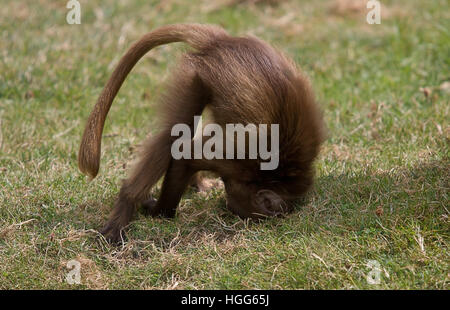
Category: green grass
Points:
column 382, row 177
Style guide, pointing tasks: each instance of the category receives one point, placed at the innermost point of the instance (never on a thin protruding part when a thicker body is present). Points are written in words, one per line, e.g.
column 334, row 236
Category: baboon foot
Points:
column 112, row 232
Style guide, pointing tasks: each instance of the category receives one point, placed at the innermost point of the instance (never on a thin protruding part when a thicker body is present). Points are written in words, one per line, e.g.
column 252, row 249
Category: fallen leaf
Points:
column 426, row 91
column 379, row 211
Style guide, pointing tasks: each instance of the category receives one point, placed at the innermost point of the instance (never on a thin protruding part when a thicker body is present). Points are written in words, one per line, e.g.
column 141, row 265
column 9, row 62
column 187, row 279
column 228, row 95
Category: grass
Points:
column 382, row 177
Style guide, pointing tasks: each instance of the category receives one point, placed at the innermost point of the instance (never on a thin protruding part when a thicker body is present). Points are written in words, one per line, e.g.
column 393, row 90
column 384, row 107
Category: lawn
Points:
column 382, row 184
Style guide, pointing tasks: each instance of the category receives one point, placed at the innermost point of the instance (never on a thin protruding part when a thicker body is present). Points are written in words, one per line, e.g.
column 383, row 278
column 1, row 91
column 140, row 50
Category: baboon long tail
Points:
column 196, row 35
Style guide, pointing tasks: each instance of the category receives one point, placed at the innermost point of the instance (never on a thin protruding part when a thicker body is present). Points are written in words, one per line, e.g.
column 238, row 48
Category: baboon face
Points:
column 250, row 201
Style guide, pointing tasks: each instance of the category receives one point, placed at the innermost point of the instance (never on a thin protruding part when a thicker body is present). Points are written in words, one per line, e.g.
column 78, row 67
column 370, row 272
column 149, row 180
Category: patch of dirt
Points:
column 91, row 276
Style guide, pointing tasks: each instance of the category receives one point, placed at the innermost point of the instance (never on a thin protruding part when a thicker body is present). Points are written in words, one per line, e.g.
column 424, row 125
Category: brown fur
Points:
column 241, row 80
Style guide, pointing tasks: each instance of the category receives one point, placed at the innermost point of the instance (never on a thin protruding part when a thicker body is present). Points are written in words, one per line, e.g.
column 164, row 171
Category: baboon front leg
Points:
column 175, row 182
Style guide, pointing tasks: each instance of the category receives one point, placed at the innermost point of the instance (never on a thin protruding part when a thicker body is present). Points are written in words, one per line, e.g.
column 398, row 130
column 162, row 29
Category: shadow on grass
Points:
column 359, row 199
column 352, row 201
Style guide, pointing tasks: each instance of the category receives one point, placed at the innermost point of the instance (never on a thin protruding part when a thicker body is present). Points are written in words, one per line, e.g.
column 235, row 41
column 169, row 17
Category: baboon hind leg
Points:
column 175, row 183
column 186, row 98
column 153, row 163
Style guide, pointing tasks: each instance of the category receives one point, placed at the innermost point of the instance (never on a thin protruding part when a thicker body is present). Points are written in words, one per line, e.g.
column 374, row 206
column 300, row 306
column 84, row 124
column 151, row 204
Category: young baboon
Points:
column 242, row 80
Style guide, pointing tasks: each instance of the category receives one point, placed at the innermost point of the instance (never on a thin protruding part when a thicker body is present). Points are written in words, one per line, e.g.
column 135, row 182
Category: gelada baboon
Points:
column 242, row 80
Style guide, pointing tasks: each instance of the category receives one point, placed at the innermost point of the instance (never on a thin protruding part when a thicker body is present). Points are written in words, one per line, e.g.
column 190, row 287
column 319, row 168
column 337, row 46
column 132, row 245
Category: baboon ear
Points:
column 269, row 202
